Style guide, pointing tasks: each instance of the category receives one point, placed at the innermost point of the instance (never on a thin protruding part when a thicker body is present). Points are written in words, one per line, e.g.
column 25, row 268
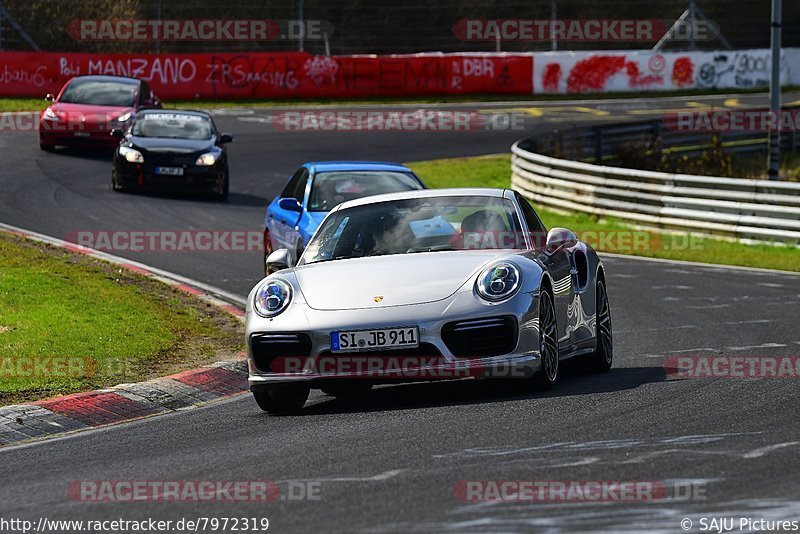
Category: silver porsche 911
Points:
column 425, row 285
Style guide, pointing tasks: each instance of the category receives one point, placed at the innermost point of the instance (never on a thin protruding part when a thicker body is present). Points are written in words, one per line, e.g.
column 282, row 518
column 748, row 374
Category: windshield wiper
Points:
column 439, row 248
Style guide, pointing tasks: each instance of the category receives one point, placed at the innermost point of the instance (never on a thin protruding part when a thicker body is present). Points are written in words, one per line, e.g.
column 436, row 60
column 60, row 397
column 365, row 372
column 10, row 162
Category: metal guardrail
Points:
column 602, row 143
column 741, row 209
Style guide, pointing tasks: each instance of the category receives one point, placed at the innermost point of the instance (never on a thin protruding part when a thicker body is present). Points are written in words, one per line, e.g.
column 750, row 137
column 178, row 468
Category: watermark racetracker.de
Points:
column 168, row 240
column 737, row 120
column 144, row 30
column 619, row 241
column 27, row 367
column 420, row 120
column 578, row 491
column 581, row 30
column 733, row 367
column 125, row 491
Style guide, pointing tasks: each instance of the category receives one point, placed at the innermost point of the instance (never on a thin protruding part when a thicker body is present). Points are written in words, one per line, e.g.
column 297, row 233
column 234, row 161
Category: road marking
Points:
column 763, row 346
column 758, row 453
column 386, row 475
column 672, row 287
column 715, row 266
column 665, row 111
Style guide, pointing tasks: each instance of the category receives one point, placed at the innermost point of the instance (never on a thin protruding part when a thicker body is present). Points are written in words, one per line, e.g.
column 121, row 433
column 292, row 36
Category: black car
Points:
column 172, row 150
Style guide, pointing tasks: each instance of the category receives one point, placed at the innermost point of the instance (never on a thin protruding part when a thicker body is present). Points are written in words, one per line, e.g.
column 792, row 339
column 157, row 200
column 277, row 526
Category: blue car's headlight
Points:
column 272, row 297
column 499, row 281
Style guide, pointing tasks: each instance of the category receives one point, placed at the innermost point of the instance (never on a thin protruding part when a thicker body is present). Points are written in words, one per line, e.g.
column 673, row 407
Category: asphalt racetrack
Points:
column 391, row 463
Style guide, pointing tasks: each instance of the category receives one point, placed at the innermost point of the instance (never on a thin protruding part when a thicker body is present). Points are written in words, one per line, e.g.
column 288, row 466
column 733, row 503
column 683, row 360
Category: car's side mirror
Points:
column 225, row 138
column 559, row 238
column 50, row 97
column 279, row 260
column 118, row 133
column 290, row 204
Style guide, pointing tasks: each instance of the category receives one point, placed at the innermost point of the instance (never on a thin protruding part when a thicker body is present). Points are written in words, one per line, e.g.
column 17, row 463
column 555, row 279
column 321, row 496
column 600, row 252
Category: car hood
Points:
column 399, row 280
column 89, row 112
column 173, row 146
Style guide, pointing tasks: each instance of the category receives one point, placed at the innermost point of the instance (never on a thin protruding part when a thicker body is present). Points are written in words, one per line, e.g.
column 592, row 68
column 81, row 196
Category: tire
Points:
column 47, row 147
column 282, row 400
column 603, row 357
column 223, row 195
column 548, row 343
column 346, row 389
column 114, row 185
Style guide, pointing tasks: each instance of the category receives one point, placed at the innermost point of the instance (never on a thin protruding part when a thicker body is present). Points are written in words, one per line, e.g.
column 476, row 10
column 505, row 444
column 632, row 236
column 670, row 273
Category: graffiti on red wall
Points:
column 551, row 77
column 593, row 74
column 683, row 72
column 271, row 75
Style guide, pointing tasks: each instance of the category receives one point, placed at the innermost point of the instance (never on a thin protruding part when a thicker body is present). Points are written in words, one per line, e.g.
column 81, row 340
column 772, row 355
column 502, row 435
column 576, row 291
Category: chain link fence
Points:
column 379, row 26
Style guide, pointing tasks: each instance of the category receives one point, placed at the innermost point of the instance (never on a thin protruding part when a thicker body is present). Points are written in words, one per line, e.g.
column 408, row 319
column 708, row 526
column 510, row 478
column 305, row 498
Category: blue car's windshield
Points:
column 332, row 188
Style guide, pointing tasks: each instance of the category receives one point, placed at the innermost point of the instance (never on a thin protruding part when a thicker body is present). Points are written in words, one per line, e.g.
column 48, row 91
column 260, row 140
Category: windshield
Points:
column 416, row 225
column 172, row 126
column 332, row 188
column 99, row 93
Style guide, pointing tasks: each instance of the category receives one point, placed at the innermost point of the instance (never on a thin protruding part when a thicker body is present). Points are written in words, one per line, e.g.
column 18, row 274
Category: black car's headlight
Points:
column 131, row 155
column 272, row 297
column 206, row 160
column 499, row 281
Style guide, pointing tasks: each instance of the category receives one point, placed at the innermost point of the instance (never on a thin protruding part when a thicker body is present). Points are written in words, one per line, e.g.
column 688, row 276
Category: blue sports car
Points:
column 317, row 187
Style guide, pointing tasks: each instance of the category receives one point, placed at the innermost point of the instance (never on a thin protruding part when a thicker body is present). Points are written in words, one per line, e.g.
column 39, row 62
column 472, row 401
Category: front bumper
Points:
column 143, row 175
column 320, row 364
column 77, row 137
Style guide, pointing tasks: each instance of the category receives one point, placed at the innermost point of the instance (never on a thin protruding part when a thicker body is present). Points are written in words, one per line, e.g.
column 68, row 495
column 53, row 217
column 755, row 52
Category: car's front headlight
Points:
column 207, row 159
column 123, row 118
column 499, row 281
column 50, row 115
column 272, row 297
column 131, row 155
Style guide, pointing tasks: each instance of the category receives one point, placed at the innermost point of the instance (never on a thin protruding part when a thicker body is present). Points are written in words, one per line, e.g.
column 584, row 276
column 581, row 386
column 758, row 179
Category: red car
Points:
column 89, row 107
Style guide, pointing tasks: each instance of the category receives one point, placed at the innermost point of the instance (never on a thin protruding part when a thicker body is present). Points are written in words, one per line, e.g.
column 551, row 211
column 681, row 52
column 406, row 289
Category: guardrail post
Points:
column 598, row 144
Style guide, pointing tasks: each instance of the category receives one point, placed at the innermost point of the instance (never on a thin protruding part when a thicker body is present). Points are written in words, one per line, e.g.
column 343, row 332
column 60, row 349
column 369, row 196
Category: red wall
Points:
column 276, row 75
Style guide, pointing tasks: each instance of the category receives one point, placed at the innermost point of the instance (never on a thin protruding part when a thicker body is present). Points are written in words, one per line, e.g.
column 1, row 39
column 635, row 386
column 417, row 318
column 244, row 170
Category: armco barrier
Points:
column 745, row 210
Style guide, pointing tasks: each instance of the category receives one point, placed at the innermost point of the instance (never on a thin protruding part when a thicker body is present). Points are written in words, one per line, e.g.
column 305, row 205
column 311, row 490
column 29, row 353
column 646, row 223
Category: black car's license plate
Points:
column 169, row 171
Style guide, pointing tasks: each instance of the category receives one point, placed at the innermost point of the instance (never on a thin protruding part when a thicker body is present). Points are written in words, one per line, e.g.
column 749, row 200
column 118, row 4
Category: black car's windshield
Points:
column 332, row 188
column 99, row 93
column 417, row 225
column 172, row 126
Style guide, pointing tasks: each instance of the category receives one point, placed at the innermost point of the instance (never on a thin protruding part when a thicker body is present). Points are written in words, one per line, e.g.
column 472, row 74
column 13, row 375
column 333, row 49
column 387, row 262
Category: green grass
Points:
column 35, row 104
column 22, row 104
column 604, row 233
column 97, row 324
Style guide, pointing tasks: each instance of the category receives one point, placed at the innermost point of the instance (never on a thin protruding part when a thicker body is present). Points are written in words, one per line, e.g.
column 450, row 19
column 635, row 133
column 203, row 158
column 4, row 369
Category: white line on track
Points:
column 757, row 453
